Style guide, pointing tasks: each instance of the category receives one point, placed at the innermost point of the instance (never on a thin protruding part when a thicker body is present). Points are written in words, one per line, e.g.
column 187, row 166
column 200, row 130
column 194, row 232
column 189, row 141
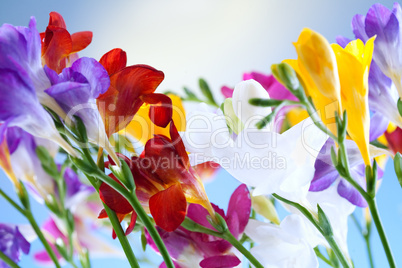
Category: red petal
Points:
column 178, row 145
column 168, row 208
column 113, row 199
column 161, row 110
column 56, row 20
column 119, row 108
column 131, row 226
column 114, row 60
column 80, row 40
column 102, row 214
column 56, row 46
column 394, row 140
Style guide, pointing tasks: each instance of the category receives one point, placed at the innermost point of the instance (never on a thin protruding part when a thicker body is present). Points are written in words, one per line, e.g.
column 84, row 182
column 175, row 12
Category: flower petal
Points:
column 80, row 40
column 239, row 210
column 221, row 261
column 114, row 60
column 113, row 199
column 168, row 207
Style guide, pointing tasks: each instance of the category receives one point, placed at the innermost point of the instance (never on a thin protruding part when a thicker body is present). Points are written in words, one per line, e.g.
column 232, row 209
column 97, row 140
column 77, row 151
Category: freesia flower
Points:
column 385, row 25
column 12, row 243
column 191, row 248
column 326, row 174
column 129, row 88
column 25, row 163
column 333, row 75
column 142, row 128
column 58, row 46
column 316, row 65
column 21, row 85
column 165, row 182
column 354, row 62
column 75, row 89
column 271, row 162
column 383, row 95
column 20, row 52
column 288, row 245
column 276, row 91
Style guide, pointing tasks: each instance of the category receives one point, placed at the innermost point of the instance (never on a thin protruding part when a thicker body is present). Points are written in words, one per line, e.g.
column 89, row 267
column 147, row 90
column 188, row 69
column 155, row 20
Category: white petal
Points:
column 247, row 113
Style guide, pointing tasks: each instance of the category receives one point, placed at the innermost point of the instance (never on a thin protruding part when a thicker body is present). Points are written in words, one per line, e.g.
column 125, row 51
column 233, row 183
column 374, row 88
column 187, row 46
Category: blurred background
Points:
column 215, row 40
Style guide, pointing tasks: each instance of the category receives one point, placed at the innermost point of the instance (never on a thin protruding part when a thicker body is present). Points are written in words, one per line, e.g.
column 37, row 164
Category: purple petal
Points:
column 324, row 176
column 325, row 172
column 95, row 73
column 359, row 29
column 12, row 242
column 74, row 185
column 342, row 41
column 239, row 210
column 378, row 125
column 347, row 191
column 23, row 244
column 176, row 242
column 222, row 261
column 376, row 19
column 199, row 214
column 70, row 94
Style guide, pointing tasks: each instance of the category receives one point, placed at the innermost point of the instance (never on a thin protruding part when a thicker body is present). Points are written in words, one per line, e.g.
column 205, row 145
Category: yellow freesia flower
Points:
column 353, row 68
column 316, row 65
column 142, row 129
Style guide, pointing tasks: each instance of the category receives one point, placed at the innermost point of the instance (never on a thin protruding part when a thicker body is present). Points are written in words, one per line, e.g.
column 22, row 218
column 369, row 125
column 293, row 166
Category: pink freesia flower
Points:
column 191, row 248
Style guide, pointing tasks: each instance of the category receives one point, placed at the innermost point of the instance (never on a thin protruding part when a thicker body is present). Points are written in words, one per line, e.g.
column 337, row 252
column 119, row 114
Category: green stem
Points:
column 135, row 203
column 32, row 221
column 122, row 237
column 232, row 240
column 380, row 229
column 369, row 252
column 366, row 236
column 330, row 239
column 9, row 200
column 7, row 260
column 370, row 200
column 322, row 257
column 52, row 255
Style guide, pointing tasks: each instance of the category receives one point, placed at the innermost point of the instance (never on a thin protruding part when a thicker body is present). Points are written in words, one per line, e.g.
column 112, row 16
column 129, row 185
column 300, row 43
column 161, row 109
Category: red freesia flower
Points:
column 58, row 46
column 165, row 182
column 129, row 88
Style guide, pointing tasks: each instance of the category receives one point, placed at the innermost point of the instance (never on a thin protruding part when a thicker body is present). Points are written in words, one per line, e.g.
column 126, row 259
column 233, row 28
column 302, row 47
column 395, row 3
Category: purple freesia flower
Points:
column 190, row 248
column 12, row 242
column 20, row 51
column 386, row 25
column 75, row 89
column 326, row 174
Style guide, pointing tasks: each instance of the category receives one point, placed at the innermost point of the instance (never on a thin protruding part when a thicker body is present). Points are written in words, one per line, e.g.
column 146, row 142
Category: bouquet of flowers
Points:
column 94, row 143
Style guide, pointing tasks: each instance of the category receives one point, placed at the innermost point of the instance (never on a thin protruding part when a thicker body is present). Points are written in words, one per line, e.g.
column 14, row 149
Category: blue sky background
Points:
column 216, row 40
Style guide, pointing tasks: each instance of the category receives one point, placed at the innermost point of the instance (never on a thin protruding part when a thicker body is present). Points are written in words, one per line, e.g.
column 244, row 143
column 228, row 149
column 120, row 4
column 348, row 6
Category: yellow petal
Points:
column 354, row 93
column 142, row 129
column 5, row 163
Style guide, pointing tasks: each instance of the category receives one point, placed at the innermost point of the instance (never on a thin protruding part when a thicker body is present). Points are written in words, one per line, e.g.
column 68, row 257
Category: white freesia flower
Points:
column 286, row 246
column 264, row 159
